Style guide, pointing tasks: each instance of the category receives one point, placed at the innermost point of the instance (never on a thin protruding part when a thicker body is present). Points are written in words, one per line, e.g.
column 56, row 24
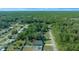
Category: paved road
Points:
column 53, row 43
column 26, row 26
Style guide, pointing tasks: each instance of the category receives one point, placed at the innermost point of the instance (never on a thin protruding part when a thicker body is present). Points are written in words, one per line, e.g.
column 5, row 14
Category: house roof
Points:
column 38, row 42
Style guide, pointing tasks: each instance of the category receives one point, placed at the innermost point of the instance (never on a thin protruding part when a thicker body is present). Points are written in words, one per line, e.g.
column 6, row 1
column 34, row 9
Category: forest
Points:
column 64, row 26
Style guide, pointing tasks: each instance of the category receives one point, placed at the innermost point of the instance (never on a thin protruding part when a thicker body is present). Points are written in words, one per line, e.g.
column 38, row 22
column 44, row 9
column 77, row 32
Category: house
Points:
column 38, row 45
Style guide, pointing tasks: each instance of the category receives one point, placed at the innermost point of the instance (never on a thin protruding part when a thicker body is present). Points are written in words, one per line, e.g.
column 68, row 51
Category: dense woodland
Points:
column 64, row 26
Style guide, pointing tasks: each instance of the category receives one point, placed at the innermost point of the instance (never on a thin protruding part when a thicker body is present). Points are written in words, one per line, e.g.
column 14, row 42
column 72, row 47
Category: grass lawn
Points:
column 48, row 48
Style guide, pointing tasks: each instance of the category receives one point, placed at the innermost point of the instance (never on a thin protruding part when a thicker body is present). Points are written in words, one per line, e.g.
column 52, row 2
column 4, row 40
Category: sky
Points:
column 39, row 9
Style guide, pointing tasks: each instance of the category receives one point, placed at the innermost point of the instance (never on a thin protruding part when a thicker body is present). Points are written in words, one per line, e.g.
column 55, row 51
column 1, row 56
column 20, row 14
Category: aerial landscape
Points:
column 39, row 30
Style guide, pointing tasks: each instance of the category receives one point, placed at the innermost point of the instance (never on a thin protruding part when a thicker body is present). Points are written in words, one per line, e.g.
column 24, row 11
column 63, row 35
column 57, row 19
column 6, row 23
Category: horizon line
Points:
column 39, row 9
